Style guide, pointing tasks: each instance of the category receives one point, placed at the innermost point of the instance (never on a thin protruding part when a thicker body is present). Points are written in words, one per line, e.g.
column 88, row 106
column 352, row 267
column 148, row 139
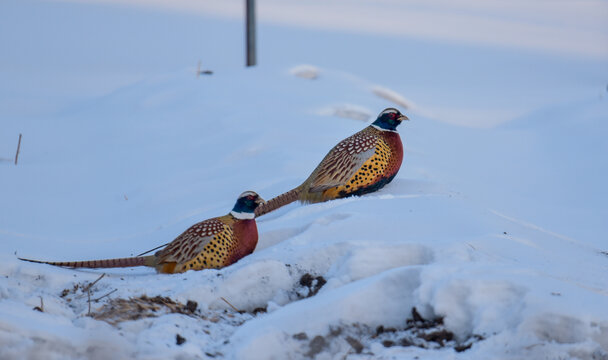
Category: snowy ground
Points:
column 494, row 230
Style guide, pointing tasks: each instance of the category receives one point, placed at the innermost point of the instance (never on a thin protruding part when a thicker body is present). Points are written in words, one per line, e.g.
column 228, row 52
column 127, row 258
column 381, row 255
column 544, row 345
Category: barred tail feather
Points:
column 106, row 263
column 279, row 201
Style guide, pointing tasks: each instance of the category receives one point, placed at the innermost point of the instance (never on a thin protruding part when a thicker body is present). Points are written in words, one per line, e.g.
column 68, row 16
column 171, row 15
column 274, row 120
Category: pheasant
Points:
column 209, row 244
column 359, row 164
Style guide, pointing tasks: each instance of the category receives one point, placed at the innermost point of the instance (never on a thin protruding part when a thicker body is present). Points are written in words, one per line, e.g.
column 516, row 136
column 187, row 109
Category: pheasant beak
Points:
column 402, row 117
column 259, row 200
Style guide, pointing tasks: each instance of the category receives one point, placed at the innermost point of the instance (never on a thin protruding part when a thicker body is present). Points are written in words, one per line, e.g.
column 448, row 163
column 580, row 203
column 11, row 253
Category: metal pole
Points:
column 18, row 148
column 250, row 25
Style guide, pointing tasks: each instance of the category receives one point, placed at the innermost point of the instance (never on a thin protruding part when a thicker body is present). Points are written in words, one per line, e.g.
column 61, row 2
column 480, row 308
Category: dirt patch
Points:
column 355, row 344
column 424, row 333
column 118, row 310
column 179, row 340
column 312, row 284
column 358, row 338
column 316, row 345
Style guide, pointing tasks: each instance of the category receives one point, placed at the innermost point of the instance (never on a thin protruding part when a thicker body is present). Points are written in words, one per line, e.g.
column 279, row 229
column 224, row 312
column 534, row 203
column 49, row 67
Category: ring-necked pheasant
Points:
column 209, row 244
column 359, row 164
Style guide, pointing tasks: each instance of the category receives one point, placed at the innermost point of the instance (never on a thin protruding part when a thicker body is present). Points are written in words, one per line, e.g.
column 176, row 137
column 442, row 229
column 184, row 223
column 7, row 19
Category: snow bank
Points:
column 492, row 230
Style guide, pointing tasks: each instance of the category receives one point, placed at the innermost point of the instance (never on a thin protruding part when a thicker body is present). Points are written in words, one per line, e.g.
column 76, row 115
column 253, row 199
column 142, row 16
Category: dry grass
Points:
column 119, row 310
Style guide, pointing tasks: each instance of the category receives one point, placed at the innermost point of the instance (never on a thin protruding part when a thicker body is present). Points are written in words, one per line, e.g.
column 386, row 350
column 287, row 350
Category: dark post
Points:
column 18, row 148
column 250, row 24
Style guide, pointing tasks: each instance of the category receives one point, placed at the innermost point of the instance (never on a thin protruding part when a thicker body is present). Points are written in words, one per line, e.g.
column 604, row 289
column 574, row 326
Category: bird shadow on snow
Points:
column 273, row 237
column 398, row 189
column 401, row 188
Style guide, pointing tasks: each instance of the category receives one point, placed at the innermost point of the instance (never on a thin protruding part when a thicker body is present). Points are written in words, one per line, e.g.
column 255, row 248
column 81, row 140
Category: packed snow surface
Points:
column 490, row 242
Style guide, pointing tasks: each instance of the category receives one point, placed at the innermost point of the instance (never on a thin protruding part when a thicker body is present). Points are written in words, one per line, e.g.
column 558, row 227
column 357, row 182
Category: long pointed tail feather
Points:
column 277, row 202
column 106, row 263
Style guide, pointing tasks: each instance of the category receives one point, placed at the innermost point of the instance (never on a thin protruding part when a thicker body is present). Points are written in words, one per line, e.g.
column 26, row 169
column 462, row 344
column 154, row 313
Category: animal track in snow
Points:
column 542, row 230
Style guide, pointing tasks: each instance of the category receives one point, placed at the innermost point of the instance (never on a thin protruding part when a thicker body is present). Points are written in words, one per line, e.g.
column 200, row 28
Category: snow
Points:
column 495, row 224
column 305, row 71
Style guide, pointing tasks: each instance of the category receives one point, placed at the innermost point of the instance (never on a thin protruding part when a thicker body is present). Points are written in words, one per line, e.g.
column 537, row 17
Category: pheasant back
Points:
column 360, row 164
column 210, row 244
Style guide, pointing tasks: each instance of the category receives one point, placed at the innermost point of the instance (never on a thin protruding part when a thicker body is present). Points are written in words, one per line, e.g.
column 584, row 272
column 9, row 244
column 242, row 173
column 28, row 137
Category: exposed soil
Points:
column 417, row 331
column 313, row 283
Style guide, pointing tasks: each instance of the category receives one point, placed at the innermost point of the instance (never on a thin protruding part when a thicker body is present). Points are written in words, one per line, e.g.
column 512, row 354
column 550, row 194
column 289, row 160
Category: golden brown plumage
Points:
column 359, row 164
column 209, row 244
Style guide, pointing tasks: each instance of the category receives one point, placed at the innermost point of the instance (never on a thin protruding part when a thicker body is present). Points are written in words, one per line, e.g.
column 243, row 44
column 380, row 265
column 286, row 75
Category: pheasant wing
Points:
column 191, row 242
column 343, row 161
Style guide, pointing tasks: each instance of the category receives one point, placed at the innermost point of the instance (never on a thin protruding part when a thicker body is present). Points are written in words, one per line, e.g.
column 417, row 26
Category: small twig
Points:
column 95, row 282
column 232, row 306
column 41, row 307
column 149, row 251
column 200, row 72
column 88, row 290
column 18, row 149
column 101, row 297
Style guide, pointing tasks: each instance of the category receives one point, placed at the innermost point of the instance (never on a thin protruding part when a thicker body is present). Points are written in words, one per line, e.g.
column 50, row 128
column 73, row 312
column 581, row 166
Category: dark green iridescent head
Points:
column 246, row 204
column 389, row 119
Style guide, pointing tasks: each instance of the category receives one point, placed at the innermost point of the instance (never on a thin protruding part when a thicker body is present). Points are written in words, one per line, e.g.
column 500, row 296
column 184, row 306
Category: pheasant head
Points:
column 389, row 119
column 246, row 205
